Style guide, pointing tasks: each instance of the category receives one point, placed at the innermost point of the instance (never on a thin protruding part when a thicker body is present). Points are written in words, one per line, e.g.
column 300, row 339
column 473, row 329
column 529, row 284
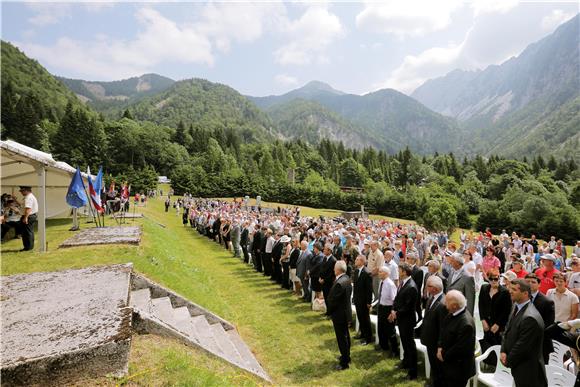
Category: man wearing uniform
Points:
column 28, row 218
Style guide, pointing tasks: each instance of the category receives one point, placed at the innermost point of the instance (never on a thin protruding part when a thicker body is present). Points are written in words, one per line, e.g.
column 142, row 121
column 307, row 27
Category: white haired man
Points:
column 435, row 313
column 461, row 281
column 386, row 328
column 457, row 341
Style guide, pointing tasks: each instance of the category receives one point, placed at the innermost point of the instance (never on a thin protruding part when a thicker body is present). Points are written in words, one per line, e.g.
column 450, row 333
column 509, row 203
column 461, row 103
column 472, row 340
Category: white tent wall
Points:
column 49, row 179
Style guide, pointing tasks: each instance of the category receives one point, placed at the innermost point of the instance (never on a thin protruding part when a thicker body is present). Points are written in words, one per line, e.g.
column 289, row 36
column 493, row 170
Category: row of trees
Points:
column 440, row 191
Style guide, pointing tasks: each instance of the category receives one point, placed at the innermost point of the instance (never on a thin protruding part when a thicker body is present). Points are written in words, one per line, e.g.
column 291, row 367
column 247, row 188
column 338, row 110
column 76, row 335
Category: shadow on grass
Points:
column 308, row 370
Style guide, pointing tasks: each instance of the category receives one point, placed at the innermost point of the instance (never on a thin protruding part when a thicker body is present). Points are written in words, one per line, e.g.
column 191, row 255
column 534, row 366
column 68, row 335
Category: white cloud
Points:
column 554, row 19
column 161, row 40
column 239, row 22
column 309, row 36
column 493, row 6
column 498, row 33
column 407, row 18
column 46, row 14
column 286, row 80
column 415, row 69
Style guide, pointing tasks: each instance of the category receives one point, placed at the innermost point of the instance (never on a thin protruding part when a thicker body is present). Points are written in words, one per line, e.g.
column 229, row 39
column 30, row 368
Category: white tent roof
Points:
column 20, row 165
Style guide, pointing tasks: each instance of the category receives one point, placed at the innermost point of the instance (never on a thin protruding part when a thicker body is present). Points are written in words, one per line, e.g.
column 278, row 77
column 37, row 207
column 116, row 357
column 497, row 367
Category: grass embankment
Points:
column 295, row 345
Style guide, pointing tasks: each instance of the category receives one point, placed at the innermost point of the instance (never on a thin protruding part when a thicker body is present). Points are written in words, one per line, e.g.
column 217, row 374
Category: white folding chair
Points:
column 559, row 377
column 502, row 376
column 557, row 357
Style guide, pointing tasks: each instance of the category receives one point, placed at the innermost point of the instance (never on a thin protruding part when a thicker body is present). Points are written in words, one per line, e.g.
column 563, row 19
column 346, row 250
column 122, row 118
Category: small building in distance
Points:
column 163, row 180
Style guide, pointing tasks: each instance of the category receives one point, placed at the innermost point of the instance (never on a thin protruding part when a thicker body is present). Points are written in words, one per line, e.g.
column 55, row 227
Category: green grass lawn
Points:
column 295, row 345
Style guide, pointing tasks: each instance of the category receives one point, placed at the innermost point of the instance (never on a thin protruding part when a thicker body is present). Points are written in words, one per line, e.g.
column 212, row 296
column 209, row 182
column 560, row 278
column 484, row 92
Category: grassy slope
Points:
column 295, row 345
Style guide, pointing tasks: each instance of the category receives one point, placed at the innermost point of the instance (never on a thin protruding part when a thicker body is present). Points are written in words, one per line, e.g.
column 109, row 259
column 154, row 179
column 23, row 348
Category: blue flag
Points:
column 99, row 182
column 76, row 196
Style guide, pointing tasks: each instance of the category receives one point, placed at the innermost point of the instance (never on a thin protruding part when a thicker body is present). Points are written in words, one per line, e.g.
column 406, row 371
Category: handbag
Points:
column 318, row 305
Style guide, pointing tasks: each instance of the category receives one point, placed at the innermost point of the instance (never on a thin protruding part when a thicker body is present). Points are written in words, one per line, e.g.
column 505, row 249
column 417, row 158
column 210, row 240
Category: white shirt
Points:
column 388, row 292
column 269, row 244
column 459, row 311
column 394, row 269
column 31, row 202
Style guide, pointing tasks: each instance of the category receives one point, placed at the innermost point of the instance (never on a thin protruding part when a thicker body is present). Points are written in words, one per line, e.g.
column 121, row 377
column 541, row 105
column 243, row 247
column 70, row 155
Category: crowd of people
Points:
column 416, row 281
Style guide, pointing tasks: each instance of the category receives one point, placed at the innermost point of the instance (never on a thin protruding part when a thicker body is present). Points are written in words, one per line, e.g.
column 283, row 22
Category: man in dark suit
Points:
column 362, row 298
column 266, row 256
column 244, row 240
column 338, row 308
column 459, row 280
column 257, row 249
column 433, row 267
column 327, row 270
column 314, row 268
column 417, row 275
column 435, row 312
column 545, row 307
column 523, row 338
column 404, row 312
column 276, row 255
column 457, row 342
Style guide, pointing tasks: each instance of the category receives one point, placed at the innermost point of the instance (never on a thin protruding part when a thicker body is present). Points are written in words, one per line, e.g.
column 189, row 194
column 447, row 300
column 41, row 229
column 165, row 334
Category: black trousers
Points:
column 245, row 252
column 267, row 263
column 277, row 271
column 306, row 288
column 387, row 333
column 8, row 225
column 286, row 275
column 326, row 290
column 257, row 260
column 406, row 331
column 436, row 368
column 27, row 231
column 343, row 340
column 364, row 321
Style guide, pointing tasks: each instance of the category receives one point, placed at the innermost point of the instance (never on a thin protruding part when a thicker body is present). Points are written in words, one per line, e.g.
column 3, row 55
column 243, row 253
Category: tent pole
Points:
column 41, row 172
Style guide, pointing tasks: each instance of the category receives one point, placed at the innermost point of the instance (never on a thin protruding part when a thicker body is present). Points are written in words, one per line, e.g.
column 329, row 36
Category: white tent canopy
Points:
column 49, row 179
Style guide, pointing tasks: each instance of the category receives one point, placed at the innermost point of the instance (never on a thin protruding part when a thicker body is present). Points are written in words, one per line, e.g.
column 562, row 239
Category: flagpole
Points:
column 91, row 207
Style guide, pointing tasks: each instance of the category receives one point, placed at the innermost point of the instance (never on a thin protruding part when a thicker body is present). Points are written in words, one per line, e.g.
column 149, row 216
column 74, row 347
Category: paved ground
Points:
column 104, row 235
column 51, row 314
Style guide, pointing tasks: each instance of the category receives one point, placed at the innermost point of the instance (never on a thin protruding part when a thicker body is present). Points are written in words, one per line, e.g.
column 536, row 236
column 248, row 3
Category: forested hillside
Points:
column 391, row 118
column 32, row 99
column 116, row 94
column 203, row 104
column 312, row 122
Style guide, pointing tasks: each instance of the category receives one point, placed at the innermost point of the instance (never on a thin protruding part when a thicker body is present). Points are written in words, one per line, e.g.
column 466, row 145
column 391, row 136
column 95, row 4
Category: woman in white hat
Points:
column 285, row 261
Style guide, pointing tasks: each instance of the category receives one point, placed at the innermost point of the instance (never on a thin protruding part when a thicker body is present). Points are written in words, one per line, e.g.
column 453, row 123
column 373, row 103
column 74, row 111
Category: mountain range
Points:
column 528, row 105
column 524, row 106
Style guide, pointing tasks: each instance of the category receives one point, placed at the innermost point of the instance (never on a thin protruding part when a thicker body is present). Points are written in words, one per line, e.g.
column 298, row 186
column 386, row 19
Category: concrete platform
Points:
column 58, row 327
column 105, row 236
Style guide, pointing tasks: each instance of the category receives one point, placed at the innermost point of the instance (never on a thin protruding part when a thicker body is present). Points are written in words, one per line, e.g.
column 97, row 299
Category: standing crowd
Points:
column 419, row 283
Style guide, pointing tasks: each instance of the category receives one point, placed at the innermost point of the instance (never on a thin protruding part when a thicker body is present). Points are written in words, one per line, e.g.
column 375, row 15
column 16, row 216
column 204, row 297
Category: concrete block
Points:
column 104, row 236
column 61, row 326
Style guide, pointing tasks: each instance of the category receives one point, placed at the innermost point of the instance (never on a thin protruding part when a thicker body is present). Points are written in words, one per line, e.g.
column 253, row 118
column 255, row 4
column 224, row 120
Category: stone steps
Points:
column 216, row 339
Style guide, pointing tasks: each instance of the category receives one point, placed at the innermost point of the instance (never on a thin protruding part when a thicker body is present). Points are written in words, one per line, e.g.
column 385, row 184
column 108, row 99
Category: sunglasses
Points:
column 493, row 278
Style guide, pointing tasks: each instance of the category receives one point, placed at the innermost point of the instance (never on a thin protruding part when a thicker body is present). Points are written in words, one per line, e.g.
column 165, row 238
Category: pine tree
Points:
column 127, row 114
column 541, row 162
column 8, row 99
column 552, row 164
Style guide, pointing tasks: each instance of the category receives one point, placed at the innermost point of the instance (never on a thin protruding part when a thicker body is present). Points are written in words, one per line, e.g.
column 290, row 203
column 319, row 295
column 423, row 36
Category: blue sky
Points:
column 272, row 47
